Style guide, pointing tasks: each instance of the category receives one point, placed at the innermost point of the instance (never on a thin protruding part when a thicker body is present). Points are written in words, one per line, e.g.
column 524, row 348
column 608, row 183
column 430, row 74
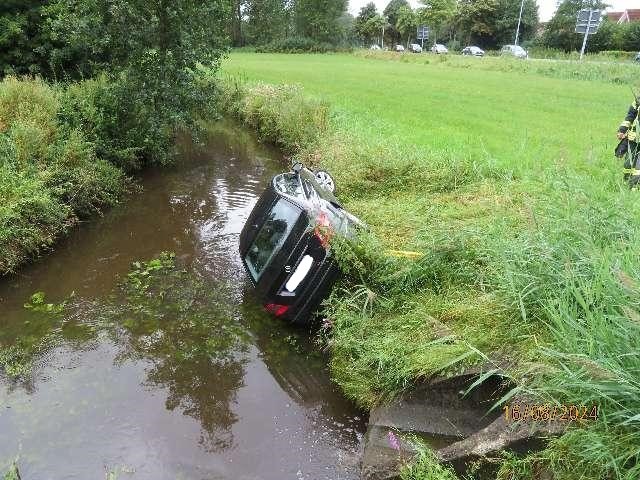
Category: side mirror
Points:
column 297, row 167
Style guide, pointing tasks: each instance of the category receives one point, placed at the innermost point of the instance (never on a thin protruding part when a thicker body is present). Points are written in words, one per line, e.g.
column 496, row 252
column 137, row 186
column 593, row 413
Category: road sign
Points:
column 423, row 32
column 587, row 23
column 583, row 29
column 583, row 16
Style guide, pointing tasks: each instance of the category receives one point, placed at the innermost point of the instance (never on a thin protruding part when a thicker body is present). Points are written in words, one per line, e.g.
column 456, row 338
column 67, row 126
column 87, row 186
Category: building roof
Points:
column 629, row 15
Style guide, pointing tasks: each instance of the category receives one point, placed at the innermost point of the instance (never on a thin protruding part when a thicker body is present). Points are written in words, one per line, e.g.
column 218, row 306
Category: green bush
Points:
column 31, row 218
column 50, row 174
column 298, row 45
column 280, row 114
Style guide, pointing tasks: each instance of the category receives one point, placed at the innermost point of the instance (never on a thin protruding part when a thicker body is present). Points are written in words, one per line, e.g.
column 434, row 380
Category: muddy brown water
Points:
column 208, row 388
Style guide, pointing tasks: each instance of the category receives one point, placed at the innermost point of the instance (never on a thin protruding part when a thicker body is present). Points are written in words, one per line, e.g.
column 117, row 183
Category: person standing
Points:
column 628, row 146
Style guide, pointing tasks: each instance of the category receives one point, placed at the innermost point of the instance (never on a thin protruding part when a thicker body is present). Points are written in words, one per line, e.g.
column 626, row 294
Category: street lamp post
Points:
column 519, row 20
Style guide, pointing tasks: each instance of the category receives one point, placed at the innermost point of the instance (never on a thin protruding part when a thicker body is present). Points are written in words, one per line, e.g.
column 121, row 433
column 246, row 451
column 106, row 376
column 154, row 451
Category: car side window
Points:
column 272, row 235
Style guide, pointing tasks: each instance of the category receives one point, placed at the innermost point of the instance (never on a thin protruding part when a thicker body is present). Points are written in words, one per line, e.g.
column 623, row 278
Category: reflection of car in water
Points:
column 284, row 244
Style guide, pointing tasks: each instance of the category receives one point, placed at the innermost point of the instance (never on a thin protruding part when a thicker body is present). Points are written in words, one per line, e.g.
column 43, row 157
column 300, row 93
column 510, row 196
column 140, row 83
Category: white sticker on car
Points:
column 300, row 273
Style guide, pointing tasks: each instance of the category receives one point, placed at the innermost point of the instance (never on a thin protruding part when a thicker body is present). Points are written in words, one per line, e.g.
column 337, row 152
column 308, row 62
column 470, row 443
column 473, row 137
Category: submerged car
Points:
column 439, row 48
column 284, row 245
column 514, row 51
column 473, row 51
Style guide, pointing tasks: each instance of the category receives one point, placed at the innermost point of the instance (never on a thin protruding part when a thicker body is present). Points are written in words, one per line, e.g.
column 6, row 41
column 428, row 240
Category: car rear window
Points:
column 272, row 234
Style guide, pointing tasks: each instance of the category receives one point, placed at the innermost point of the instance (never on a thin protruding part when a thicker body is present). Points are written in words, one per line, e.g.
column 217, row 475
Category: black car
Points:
column 284, row 244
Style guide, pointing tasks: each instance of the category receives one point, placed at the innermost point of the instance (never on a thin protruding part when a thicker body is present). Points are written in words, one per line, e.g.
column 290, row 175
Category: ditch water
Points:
column 167, row 369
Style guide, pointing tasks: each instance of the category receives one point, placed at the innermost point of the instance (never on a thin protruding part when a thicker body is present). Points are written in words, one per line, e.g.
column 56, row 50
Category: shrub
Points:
column 30, row 217
column 297, row 45
column 280, row 114
column 50, row 174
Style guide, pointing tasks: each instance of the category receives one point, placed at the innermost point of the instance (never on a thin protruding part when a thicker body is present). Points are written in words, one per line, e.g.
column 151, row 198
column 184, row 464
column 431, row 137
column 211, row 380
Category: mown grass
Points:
column 594, row 68
column 506, row 181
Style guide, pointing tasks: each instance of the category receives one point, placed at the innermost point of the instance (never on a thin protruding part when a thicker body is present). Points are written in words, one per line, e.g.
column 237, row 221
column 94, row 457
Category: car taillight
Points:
column 275, row 309
column 323, row 229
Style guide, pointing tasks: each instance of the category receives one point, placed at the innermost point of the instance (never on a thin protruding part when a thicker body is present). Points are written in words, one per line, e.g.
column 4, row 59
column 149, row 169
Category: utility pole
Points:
column 519, row 21
column 384, row 21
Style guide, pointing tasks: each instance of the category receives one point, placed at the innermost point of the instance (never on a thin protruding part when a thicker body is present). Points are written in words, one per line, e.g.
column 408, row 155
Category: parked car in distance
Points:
column 399, row 48
column 439, row 48
column 284, row 244
column 375, row 47
column 473, row 51
column 514, row 51
column 416, row 48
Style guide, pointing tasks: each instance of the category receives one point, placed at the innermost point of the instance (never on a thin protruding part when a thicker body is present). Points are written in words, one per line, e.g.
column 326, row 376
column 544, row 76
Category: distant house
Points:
column 625, row 16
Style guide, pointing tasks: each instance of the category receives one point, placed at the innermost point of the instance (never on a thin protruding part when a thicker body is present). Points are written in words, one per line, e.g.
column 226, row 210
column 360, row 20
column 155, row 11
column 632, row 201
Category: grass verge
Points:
column 529, row 239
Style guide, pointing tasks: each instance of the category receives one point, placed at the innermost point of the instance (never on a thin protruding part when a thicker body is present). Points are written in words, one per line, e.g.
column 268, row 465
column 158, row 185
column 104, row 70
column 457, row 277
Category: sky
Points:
column 545, row 7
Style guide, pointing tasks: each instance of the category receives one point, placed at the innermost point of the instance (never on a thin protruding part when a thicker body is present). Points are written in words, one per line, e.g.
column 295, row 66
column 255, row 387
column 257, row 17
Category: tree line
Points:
column 560, row 34
column 487, row 23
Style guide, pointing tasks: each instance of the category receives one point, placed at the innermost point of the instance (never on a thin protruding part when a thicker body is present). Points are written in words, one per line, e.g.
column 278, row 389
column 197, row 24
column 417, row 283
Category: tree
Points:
column 319, row 19
column 475, row 21
column 236, row 28
column 26, row 46
column 346, row 29
column 373, row 27
column 391, row 12
column 560, row 31
column 267, row 20
column 148, row 50
column 437, row 13
column 507, row 12
column 367, row 12
column 407, row 23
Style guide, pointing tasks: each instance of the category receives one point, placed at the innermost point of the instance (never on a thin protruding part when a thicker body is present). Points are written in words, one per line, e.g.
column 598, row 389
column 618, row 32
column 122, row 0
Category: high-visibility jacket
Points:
column 630, row 123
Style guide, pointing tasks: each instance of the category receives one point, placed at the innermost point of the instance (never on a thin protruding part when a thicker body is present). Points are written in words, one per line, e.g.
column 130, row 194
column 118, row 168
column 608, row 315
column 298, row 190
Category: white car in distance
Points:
column 439, row 48
column 514, row 51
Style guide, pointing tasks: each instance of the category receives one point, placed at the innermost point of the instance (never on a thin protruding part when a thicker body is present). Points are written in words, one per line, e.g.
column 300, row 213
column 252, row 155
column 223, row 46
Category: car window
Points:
column 270, row 238
column 289, row 184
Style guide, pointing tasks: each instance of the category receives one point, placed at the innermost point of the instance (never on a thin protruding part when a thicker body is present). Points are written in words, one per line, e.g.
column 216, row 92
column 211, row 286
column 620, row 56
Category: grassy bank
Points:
column 504, row 179
column 50, row 175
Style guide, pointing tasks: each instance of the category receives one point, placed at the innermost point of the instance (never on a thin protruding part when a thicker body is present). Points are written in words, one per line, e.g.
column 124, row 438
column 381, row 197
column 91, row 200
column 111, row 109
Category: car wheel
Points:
column 325, row 180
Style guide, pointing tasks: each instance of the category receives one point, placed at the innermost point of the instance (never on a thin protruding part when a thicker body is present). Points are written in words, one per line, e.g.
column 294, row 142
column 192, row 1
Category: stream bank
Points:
column 131, row 382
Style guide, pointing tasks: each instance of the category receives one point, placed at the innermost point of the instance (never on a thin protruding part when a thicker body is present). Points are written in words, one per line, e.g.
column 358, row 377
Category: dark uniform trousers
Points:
column 631, row 149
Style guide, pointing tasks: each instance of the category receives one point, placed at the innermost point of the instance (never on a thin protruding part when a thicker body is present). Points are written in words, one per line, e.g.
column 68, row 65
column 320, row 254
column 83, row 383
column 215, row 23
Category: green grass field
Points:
column 502, row 175
column 503, row 116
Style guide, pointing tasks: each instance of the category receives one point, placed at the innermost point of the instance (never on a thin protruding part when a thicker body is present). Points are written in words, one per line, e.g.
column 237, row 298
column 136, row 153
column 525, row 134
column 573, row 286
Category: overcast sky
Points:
column 545, row 7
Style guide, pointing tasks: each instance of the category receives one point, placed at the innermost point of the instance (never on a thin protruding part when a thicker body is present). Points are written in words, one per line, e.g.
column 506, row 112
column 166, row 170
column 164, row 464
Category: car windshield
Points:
column 271, row 236
column 518, row 49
